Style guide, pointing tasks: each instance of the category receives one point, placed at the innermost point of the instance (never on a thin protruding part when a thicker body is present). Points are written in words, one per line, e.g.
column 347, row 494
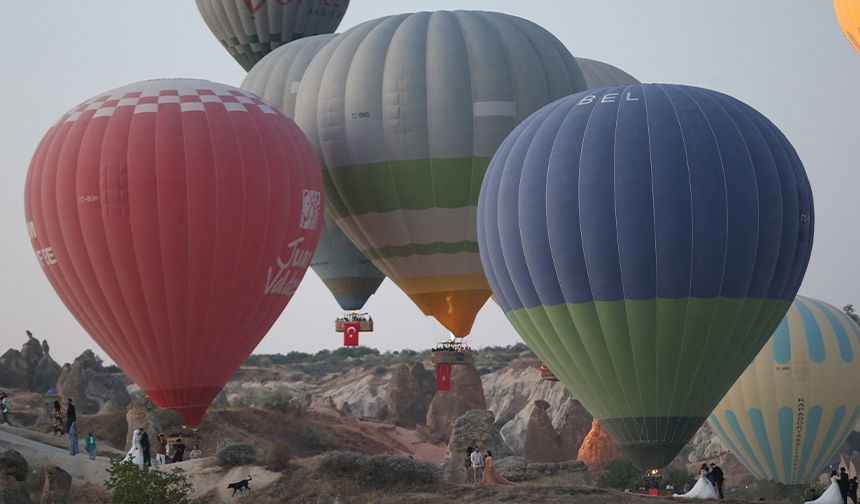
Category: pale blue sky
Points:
column 787, row 58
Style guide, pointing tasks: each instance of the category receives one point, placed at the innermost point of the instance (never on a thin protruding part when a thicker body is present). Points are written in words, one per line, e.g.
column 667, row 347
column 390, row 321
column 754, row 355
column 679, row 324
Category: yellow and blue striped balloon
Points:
column 797, row 402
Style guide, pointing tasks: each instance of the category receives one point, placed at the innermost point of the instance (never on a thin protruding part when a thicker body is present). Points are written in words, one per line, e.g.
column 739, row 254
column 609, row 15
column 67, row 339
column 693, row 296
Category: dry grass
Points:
column 91, row 494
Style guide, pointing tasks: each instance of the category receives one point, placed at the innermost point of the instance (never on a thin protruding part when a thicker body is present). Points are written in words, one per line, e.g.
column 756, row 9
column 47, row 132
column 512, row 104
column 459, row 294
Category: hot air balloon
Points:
column 347, row 273
column 599, row 74
column 175, row 219
column 405, row 112
column 251, row 29
column 795, row 405
column 848, row 14
column 645, row 241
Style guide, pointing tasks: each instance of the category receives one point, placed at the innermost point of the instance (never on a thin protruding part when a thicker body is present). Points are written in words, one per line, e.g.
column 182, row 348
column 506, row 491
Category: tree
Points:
column 849, row 310
column 620, row 474
column 130, row 484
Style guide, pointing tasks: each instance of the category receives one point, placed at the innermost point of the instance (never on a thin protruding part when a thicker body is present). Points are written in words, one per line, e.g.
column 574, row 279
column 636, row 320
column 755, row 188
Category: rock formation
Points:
column 87, row 382
column 598, row 448
column 705, row 446
column 466, row 394
column 517, row 469
column 57, row 488
column 141, row 413
column 31, row 368
column 13, row 478
column 363, row 390
column 541, row 438
column 410, row 392
column 575, row 424
column 476, row 428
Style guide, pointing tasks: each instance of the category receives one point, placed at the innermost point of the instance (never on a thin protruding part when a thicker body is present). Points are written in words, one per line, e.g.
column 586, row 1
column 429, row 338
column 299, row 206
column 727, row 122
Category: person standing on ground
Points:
column 57, row 419
column 179, row 447
column 717, row 478
column 852, row 490
column 144, row 447
column 467, row 464
column 71, row 415
column 161, row 451
column 90, row 445
column 477, row 459
column 5, row 404
column 196, row 453
column 843, row 484
column 73, row 439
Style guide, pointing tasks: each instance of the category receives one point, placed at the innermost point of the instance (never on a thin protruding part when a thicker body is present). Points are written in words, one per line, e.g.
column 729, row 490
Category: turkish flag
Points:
column 350, row 333
column 443, row 377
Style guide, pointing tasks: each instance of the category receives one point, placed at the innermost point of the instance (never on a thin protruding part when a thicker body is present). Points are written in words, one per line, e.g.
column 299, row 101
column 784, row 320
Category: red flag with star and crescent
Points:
column 443, row 377
column 350, row 333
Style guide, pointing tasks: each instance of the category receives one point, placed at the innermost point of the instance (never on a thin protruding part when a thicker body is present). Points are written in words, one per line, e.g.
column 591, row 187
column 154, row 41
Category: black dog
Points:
column 241, row 486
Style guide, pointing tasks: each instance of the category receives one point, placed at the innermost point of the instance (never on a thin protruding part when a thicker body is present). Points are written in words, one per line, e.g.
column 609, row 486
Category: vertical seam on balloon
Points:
column 689, row 273
column 711, row 376
column 600, row 381
column 692, row 237
column 639, row 427
column 618, row 246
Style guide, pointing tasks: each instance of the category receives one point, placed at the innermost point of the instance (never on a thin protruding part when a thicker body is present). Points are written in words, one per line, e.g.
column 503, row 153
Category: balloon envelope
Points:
column 645, row 241
column 848, row 14
column 348, row 274
column 599, row 74
column 175, row 219
column 406, row 112
column 795, row 405
column 251, row 29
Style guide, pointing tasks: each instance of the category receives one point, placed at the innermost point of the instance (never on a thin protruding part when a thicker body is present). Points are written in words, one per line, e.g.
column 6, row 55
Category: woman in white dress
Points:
column 135, row 454
column 832, row 495
column 703, row 489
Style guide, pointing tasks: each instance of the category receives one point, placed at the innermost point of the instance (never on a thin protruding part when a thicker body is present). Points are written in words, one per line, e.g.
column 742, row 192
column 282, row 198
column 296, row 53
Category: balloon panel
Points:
column 795, row 405
column 848, row 14
column 599, row 74
column 175, row 219
column 251, row 29
column 406, row 112
column 645, row 240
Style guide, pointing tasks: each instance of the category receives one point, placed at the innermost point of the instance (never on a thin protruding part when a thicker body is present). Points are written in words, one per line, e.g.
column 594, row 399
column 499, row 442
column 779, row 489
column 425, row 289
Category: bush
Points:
column 279, row 457
column 315, row 437
column 130, row 484
column 620, row 474
column 376, row 470
column 237, row 454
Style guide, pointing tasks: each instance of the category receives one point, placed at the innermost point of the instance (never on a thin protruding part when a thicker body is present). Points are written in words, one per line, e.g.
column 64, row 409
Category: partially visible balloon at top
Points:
column 251, row 29
column 599, row 74
column 848, row 14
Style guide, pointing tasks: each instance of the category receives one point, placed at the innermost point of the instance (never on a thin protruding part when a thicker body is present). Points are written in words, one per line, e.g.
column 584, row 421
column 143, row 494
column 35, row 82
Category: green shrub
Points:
column 376, row 470
column 237, row 454
column 315, row 437
column 130, row 484
column 620, row 474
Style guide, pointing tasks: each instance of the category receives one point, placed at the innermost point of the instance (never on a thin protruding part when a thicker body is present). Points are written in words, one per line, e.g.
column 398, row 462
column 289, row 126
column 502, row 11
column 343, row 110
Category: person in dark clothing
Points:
column 843, row 484
column 179, row 448
column 4, row 407
column 144, row 447
column 852, row 489
column 717, row 478
column 71, row 415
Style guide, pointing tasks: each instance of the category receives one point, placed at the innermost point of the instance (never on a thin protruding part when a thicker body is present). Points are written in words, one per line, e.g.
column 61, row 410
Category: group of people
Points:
column 479, row 465
column 450, row 346
column 841, row 489
column 140, row 452
column 59, row 425
column 708, row 486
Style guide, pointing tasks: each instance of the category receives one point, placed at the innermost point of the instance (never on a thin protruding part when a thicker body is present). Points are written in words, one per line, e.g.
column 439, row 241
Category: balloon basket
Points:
column 452, row 353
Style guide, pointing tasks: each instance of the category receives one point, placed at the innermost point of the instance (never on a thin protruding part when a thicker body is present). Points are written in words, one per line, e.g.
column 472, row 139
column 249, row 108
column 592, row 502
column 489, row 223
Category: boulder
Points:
column 87, row 382
column 475, row 428
column 466, row 394
column 32, row 351
column 541, row 439
column 512, row 468
column 518, row 469
column 705, row 446
column 141, row 413
column 13, row 477
column 57, row 488
column 598, row 448
column 410, row 391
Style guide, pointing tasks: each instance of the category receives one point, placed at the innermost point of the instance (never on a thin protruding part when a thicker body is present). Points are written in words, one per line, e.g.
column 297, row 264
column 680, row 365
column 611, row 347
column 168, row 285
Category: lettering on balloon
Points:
column 360, row 115
column 89, row 198
column 46, row 256
column 286, row 278
column 608, row 98
column 800, row 422
column 316, row 7
column 31, row 229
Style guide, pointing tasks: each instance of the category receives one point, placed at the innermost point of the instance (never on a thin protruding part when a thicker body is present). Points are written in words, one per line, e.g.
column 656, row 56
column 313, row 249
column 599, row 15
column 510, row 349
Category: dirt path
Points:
column 80, row 467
